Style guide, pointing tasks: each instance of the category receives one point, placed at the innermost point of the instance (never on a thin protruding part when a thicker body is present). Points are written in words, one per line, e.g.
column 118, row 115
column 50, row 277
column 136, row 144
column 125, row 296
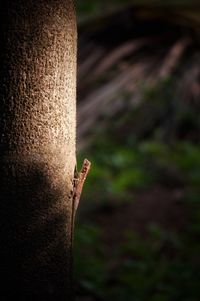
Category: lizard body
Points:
column 79, row 180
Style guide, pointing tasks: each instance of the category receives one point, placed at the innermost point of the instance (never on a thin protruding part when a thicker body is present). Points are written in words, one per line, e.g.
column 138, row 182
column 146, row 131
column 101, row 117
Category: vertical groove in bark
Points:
column 37, row 147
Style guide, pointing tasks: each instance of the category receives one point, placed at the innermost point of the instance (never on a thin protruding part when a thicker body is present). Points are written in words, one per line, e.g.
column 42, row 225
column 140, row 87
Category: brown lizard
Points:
column 79, row 179
column 78, row 182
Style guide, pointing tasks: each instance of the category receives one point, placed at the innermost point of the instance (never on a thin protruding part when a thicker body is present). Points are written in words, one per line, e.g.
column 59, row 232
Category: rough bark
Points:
column 37, row 148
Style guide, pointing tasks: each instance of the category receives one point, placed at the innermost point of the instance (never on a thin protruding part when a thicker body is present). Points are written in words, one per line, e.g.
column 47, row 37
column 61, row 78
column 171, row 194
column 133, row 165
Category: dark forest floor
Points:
column 145, row 248
column 157, row 205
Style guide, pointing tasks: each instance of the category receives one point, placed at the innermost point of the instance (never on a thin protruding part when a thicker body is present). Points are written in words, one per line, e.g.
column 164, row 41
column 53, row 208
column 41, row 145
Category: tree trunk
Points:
column 37, row 148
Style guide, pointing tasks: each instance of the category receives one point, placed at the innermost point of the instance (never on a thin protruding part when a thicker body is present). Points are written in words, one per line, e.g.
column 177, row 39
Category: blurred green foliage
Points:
column 165, row 265
column 150, row 145
column 91, row 8
column 148, row 272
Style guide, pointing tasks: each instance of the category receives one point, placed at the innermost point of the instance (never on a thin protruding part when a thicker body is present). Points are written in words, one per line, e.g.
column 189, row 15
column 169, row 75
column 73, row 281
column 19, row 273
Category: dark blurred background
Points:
column 137, row 234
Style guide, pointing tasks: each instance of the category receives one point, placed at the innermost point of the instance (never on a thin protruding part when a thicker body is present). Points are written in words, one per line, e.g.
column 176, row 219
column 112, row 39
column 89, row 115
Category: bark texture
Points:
column 37, row 148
